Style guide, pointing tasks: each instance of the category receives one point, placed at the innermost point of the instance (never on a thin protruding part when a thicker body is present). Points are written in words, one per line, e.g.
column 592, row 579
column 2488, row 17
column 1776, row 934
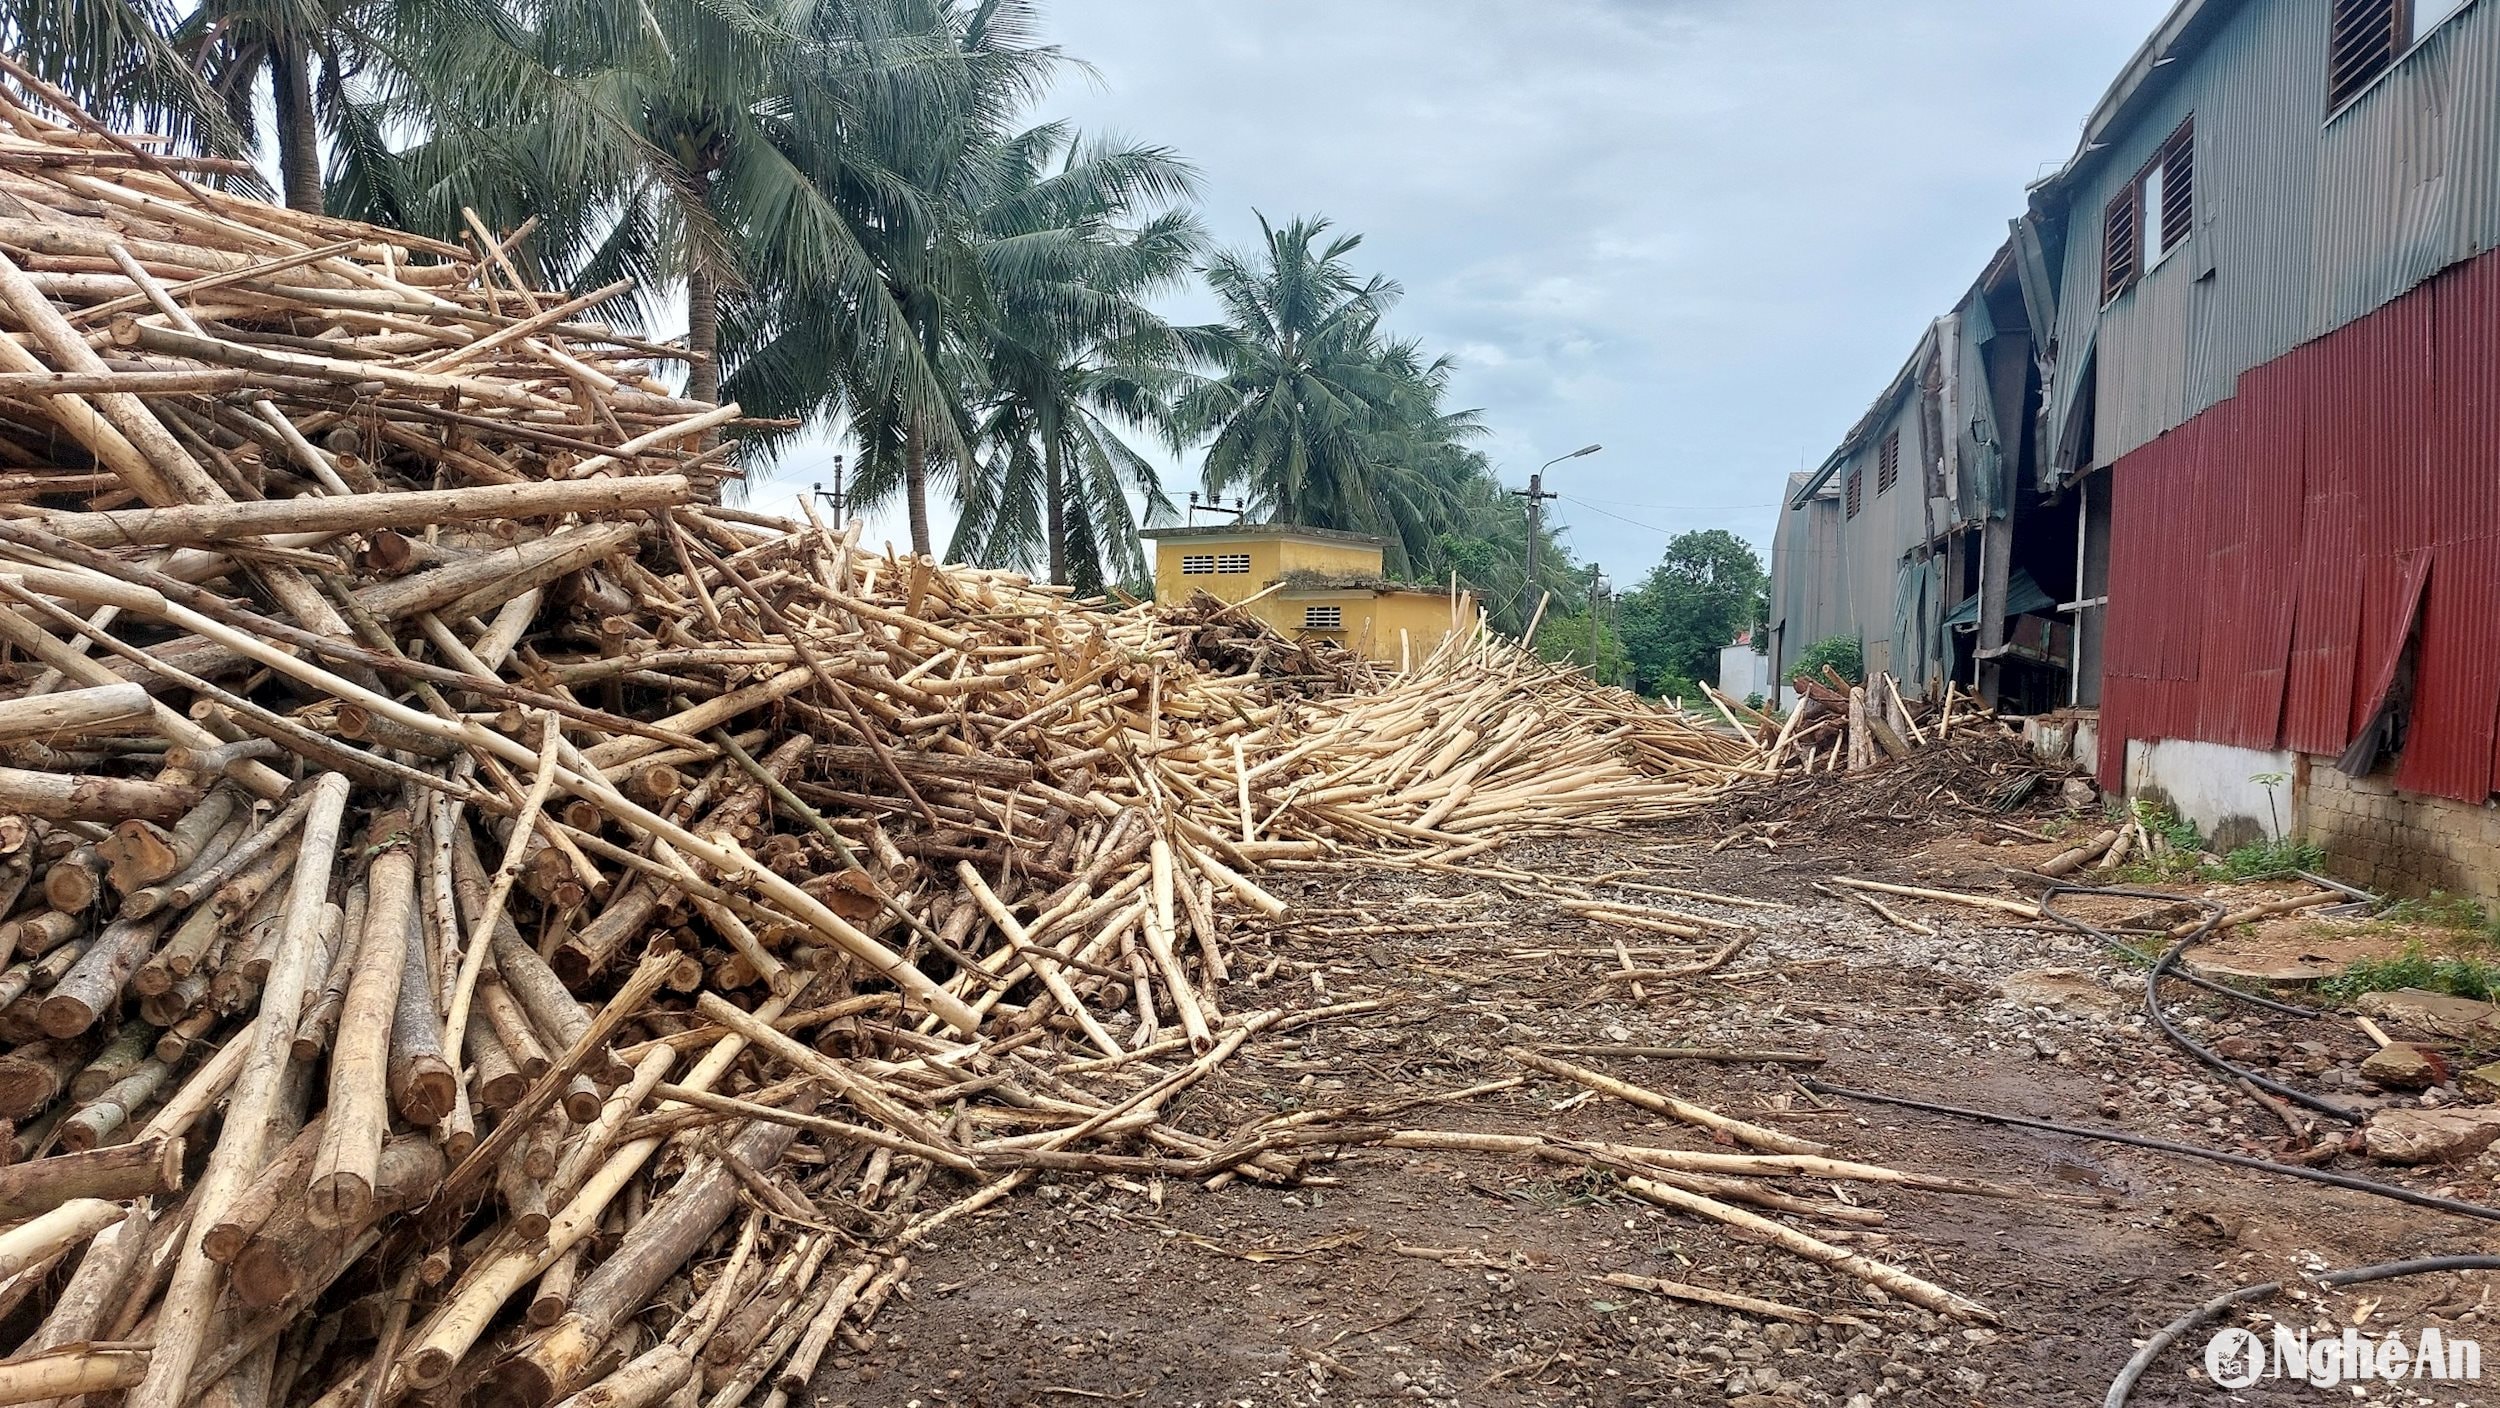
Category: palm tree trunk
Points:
column 916, row 488
column 702, row 332
column 1055, row 503
column 299, row 127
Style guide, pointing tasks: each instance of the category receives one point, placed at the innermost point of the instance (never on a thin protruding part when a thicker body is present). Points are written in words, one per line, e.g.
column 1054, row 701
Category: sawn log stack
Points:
column 457, row 879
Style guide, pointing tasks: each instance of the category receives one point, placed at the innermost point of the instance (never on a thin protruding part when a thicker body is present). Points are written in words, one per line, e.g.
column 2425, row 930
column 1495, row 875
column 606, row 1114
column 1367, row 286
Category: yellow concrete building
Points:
column 1310, row 582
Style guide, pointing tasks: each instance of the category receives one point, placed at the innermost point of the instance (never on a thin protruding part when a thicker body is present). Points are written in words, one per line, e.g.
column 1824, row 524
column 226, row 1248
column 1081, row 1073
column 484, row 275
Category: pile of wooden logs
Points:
column 459, row 889
column 1838, row 726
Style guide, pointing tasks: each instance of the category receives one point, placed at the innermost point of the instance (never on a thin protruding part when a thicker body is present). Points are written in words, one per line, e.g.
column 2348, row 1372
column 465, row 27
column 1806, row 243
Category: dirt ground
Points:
column 1463, row 1278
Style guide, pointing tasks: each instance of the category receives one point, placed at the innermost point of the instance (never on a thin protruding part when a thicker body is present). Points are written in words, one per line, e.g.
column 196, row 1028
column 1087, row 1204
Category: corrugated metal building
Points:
column 1809, row 576
column 1911, row 517
column 2267, row 415
column 2276, row 330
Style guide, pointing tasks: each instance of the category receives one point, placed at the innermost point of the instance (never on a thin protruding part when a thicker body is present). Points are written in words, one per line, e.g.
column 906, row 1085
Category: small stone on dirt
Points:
column 2433, row 1012
column 2067, row 989
column 2401, row 1066
column 2431, row 1136
column 2482, row 1082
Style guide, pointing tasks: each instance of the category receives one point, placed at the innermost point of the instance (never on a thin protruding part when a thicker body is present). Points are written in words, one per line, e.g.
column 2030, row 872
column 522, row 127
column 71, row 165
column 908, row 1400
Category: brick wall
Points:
column 2399, row 843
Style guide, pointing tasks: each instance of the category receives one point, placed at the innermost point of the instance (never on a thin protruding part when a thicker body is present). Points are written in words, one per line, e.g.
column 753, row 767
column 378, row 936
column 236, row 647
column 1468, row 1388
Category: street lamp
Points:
column 1536, row 496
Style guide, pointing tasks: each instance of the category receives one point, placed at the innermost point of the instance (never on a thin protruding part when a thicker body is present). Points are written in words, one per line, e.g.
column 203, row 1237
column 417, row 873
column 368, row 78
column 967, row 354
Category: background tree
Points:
column 1709, row 587
column 1309, row 412
column 1070, row 355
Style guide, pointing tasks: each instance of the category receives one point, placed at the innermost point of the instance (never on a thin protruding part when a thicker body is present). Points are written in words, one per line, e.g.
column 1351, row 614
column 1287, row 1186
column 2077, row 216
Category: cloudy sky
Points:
column 1703, row 233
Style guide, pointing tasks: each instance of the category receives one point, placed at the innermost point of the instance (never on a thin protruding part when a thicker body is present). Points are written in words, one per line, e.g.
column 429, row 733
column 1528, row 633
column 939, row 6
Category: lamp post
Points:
column 1536, row 496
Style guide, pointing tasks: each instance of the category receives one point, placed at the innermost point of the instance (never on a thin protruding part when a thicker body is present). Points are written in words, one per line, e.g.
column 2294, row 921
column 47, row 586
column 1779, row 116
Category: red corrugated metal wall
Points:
column 2257, row 552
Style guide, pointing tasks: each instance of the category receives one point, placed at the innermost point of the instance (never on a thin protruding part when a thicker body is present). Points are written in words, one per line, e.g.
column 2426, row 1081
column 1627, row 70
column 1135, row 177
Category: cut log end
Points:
column 339, row 1200
column 427, row 1094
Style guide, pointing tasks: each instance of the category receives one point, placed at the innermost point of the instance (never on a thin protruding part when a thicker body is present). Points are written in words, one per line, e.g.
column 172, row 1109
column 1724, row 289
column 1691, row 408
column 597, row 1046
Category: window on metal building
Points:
column 2365, row 38
column 1323, row 618
column 2118, row 245
column 2153, row 216
column 2360, row 44
column 1888, row 463
column 1855, row 494
column 2167, row 189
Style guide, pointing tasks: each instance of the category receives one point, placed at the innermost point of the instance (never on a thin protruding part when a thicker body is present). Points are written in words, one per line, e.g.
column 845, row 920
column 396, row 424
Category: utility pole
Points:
column 1595, row 639
column 837, row 498
column 1536, row 495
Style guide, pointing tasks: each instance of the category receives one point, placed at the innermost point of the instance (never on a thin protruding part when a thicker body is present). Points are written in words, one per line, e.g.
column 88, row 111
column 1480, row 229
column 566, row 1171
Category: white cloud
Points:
column 1703, row 232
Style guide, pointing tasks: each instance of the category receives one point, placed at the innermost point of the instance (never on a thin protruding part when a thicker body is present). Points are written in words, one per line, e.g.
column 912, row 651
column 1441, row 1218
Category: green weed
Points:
column 2441, row 910
column 2273, row 858
column 2413, row 968
column 2173, row 830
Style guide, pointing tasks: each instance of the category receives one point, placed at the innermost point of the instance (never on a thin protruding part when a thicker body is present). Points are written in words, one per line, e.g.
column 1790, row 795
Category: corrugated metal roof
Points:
column 2304, row 222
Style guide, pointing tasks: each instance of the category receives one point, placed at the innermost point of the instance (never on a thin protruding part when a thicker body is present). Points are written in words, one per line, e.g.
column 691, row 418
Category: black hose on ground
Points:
column 2215, row 912
column 2372, row 1187
column 2124, row 1385
column 2166, row 967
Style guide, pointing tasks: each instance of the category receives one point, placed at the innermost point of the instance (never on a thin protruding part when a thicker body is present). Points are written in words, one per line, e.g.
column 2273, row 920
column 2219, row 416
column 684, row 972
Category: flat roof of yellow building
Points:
column 1268, row 530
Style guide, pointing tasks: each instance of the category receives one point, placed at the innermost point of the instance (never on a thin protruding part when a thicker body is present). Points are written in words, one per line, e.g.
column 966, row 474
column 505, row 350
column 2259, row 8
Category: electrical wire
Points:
column 1651, row 527
column 2348, row 1182
column 2166, row 967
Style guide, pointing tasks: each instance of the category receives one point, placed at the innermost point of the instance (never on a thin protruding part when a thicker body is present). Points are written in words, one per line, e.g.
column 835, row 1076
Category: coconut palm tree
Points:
column 1311, row 411
column 306, row 52
column 117, row 60
column 906, row 169
column 1070, row 355
column 737, row 152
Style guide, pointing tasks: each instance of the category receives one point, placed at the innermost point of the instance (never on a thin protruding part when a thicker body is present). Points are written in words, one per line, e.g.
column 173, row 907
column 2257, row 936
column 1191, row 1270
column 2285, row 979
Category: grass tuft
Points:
column 2441, row 910
column 2273, row 858
column 2413, row 968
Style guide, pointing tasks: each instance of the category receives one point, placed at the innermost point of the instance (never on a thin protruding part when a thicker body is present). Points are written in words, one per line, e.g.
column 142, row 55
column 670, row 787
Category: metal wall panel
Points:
column 2253, row 532
column 2282, row 526
column 2457, row 693
column 1809, row 593
column 2257, row 177
column 2383, row 384
column 2303, row 224
column 2326, row 627
column 2404, row 172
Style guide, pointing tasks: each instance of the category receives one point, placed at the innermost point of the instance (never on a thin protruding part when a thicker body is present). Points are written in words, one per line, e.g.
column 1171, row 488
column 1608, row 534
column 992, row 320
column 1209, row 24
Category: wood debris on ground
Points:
column 464, row 890
column 1859, row 758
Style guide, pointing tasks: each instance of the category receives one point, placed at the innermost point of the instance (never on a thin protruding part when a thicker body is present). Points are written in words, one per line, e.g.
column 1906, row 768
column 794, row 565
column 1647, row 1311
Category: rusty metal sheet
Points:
column 2456, row 702
column 2251, row 462
column 2413, row 576
column 2266, row 556
column 2382, row 384
column 2326, row 627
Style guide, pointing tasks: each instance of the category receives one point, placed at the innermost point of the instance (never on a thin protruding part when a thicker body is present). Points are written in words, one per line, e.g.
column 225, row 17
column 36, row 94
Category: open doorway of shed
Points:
column 2050, row 658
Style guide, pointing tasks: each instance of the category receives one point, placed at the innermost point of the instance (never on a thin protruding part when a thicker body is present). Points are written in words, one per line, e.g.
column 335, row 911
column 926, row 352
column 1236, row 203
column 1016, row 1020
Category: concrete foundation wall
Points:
column 2400, row 843
column 2212, row 784
column 2066, row 736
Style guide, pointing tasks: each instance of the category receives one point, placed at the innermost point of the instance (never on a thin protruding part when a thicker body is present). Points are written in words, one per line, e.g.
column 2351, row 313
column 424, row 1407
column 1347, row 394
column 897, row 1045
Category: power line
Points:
column 1681, row 508
column 1619, row 518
